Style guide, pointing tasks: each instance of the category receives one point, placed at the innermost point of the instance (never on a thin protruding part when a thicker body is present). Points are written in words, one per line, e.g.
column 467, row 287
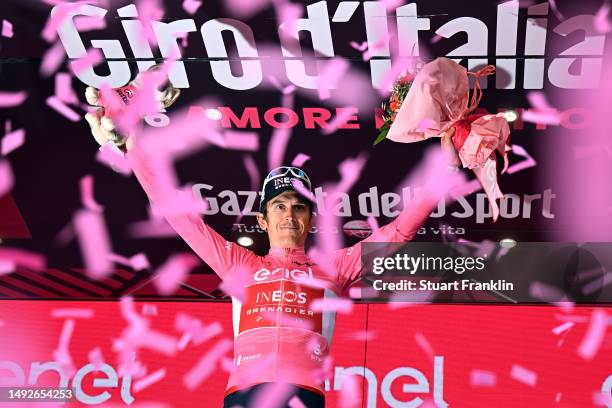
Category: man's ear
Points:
column 263, row 224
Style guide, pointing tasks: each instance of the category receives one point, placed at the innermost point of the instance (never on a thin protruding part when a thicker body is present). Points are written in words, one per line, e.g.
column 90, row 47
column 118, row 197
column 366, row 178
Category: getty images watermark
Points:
column 487, row 272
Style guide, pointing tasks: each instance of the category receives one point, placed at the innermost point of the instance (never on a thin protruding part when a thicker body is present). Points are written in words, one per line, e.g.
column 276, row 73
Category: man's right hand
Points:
column 102, row 127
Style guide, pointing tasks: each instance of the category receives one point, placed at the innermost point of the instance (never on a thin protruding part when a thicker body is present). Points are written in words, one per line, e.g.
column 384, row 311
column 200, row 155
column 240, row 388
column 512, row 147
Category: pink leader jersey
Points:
column 276, row 335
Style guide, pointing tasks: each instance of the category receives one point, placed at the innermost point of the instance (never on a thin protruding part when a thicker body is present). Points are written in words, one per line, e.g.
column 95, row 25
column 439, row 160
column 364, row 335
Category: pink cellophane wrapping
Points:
column 439, row 96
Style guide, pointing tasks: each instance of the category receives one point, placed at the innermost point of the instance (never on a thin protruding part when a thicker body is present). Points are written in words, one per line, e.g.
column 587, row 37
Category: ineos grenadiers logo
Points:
column 282, row 273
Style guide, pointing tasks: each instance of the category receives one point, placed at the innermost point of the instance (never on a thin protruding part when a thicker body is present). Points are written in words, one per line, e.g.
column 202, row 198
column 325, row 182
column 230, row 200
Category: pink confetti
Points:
column 149, row 380
column 555, row 9
column 63, row 88
column 94, row 57
column 296, row 402
column 525, row 164
column 7, row 29
column 362, row 335
column 157, row 228
column 599, row 398
column 206, row 365
column 61, row 354
column 96, row 358
column 52, row 59
column 300, row 159
column 191, row 6
column 280, row 138
column 523, row 375
column 196, row 330
column 595, row 335
column 424, row 344
column 137, row 262
column 12, row 141
column 339, row 120
column 173, row 272
column 6, row 267
column 601, row 21
column 72, row 313
column 94, row 243
column 355, row 292
column 62, row 12
column 350, row 393
column 55, row 103
column 330, row 75
column 541, row 118
column 342, row 306
column 248, row 141
column 11, row 99
column 111, row 156
column 21, row 257
column 483, row 378
column 359, row 47
column 272, row 395
column 88, row 23
column 235, row 284
column 149, row 310
column 545, row 292
column 435, row 39
column 87, row 194
column 148, row 12
column 562, row 327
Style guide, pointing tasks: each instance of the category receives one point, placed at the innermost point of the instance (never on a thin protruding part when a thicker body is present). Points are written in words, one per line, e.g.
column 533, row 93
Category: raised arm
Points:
column 223, row 256
column 405, row 226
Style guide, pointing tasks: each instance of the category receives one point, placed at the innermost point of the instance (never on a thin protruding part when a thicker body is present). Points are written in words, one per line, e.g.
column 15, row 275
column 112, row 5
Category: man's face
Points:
column 287, row 221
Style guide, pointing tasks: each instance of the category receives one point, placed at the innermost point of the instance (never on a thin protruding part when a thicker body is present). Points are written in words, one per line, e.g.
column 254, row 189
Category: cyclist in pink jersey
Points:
column 277, row 338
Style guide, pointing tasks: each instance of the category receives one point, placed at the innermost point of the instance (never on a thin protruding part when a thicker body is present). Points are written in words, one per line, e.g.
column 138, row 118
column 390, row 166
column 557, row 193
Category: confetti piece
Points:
column 87, row 194
column 7, row 29
column 355, row 293
column 149, row 310
column 359, row 47
column 300, row 159
column 206, row 365
column 137, row 262
column 94, row 243
column 362, row 335
column 555, row 9
column 350, row 395
column 59, row 106
column 72, row 313
column 173, row 272
column 545, row 292
column 235, row 284
column 595, row 335
column 21, row 257
column 296, row 402
column 191, row 6
column 6, row 267
column 280, row 138
column 91, row 59
column 339, row 120
column 56, row 19
column 599, row 398
column 424, row 344
column 112, row 157
column 601, row 21
column 523, row 375
column 482, row 378
column 330, row 75
column 12, row 141
column 342, row 306
column 52, row 59
column 96, row 358
column 248, row 141
column 11, row 99
column 562, row 327
column 61, row 354
column 63, row 88
column 272, row 395
column 149, row 380
column 88, row 23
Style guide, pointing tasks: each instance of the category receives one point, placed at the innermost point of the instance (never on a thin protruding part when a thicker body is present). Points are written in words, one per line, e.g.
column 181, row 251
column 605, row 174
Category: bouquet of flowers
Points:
column 390, row 108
